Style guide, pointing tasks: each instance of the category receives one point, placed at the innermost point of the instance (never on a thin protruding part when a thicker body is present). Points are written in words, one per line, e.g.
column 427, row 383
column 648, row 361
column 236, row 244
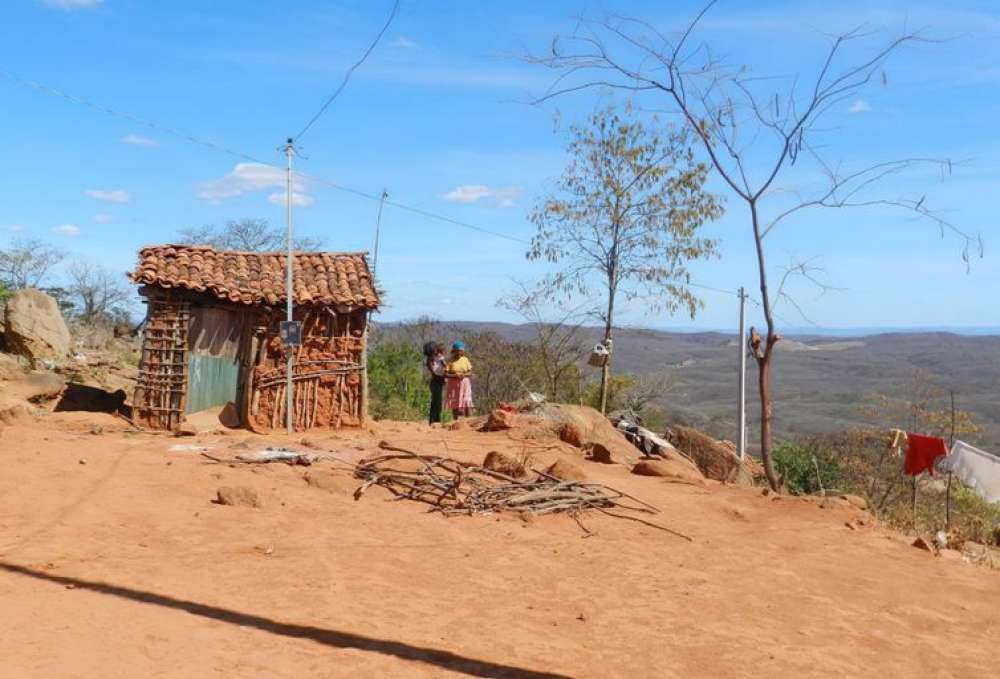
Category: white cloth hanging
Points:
column 975, row 468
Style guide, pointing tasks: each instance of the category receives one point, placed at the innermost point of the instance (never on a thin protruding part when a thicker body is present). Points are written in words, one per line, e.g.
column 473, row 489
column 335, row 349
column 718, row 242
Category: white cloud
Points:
column 298, row 199
column 104, row 218
column 473, row 193
column 139, row 140
column 113, row 196
column 247, row 178
column 405, row 43
column 13, row 228
column 66, row 230
column 859, row 106
column 72, row 4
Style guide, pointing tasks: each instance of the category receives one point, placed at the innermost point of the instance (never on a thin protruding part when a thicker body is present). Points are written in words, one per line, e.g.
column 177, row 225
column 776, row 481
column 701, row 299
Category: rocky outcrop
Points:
column 34, row 327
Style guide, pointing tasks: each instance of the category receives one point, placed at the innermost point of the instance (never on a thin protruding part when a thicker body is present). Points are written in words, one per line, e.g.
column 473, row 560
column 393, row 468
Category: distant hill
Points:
column 820, row 382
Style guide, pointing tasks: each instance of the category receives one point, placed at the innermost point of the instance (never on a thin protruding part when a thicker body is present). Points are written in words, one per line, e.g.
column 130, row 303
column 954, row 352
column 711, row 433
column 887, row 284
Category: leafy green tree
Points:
column 625, row 218
column 397, row 387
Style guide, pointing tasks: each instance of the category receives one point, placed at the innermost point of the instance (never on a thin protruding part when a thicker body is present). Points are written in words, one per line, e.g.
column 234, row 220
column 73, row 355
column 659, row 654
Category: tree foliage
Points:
column 245, row 235
column 27, row 263
column 100, row 296
column 626, row 213
column 625, row 218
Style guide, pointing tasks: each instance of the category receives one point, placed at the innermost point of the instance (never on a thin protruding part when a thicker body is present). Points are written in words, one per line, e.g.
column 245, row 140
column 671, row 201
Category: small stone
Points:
column 566, row 471
column 856, row 500
column 505, row 464
column 237, row 496
column 600, row 453
column 81, row 461
column 500, row 420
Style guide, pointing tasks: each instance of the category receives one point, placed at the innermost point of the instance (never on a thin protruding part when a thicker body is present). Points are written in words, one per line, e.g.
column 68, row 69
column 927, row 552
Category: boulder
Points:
column 717, row 460
column 237, row 496
column 34, row 327
column 669, row 469
column 567, row 471
column 10, row 367
column 43, row 386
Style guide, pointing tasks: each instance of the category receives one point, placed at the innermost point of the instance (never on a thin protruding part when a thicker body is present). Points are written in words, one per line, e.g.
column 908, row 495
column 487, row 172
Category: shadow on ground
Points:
column 337, row 639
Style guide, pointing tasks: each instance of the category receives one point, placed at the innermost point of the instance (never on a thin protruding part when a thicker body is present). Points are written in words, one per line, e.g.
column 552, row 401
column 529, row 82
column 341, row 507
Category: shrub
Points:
column 397, row 386
column 807, row 469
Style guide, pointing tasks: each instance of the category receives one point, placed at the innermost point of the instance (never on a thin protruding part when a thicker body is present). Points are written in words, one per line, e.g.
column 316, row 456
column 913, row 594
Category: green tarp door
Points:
column 212, row 381
column 213, row 362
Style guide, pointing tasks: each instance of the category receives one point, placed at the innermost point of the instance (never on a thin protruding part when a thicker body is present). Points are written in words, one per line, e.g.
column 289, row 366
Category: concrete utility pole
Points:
column 289, row 293
column 741, row 407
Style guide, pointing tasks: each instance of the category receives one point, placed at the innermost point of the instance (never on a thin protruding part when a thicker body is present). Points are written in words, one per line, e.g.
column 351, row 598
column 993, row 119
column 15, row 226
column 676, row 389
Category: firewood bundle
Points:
column 452, row 488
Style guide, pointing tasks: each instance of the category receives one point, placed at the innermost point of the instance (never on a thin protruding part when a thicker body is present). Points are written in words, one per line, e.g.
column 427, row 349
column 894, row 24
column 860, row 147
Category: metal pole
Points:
column 741, row 407
column 289, row 292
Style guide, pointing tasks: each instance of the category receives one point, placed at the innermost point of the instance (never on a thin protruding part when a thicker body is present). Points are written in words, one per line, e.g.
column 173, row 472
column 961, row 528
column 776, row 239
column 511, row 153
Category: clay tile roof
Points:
column 339, row 279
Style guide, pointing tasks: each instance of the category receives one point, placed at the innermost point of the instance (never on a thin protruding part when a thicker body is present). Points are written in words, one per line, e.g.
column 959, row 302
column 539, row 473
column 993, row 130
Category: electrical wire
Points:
column 192, row 139
column 350, row 72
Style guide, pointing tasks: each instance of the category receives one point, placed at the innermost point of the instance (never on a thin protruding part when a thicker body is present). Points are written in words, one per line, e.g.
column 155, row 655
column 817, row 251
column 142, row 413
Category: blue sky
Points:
column 438, row 117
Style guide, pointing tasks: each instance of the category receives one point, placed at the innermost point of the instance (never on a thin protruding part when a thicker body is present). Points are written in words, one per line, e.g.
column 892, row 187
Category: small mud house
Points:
column 212, row 337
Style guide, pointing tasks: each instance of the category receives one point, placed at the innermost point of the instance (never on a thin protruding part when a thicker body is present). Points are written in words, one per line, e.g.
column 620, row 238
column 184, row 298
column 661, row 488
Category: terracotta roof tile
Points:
column 332, row 278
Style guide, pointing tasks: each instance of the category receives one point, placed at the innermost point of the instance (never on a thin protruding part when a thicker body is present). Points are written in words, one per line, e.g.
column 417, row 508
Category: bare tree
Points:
column 558, row 340
column 27, row 263
column 245, row 235
column 626, row 212
column 99, row 295
column 752, row 133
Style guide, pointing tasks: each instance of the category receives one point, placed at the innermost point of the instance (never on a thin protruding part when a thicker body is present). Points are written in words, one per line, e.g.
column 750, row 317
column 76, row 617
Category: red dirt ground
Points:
column 114, row 562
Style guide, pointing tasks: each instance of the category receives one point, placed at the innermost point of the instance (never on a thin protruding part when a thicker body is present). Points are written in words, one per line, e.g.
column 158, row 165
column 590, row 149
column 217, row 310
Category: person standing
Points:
column 434, row 352
column 457, row 372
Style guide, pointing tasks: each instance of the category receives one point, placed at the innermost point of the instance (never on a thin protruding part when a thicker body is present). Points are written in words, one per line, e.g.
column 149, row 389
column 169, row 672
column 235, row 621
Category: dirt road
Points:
column 114, row 562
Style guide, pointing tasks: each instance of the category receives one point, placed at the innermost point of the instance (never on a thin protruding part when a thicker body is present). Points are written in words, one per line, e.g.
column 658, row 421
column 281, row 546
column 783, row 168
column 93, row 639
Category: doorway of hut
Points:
column 214, row 361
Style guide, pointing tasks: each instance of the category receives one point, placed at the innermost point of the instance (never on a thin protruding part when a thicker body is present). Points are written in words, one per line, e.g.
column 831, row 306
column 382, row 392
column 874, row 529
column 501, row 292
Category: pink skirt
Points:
column 459, row 393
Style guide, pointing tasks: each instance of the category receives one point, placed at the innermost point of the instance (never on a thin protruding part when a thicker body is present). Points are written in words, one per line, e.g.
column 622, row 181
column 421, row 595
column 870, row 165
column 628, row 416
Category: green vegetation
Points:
column 397, row 387
column 806, row 469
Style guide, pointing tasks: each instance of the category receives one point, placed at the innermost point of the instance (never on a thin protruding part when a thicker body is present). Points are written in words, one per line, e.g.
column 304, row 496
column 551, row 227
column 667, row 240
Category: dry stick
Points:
column 951, row 444
column 646, row 523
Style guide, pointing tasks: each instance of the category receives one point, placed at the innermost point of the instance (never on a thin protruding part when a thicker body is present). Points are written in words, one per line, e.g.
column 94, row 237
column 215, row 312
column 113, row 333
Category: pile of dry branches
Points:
column 452, row 487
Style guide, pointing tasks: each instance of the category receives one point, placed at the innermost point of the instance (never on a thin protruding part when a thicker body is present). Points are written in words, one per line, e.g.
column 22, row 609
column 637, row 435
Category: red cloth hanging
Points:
column 921, row 451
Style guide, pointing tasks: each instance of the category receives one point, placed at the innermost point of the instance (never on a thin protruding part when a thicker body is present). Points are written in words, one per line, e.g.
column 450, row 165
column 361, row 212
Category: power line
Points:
column 350, row 72
column 100, row 108
column 192, row 139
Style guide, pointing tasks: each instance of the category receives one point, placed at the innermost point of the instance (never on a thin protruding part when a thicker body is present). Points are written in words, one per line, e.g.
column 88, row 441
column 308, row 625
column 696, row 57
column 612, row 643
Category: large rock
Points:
column 716, row 459
column 34, row 327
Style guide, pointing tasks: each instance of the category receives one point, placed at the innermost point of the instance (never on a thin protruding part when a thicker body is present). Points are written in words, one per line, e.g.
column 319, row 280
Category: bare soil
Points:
column 115, row 561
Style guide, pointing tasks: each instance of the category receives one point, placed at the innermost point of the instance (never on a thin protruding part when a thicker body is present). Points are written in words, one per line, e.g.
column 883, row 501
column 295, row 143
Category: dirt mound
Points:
column 716, row 459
